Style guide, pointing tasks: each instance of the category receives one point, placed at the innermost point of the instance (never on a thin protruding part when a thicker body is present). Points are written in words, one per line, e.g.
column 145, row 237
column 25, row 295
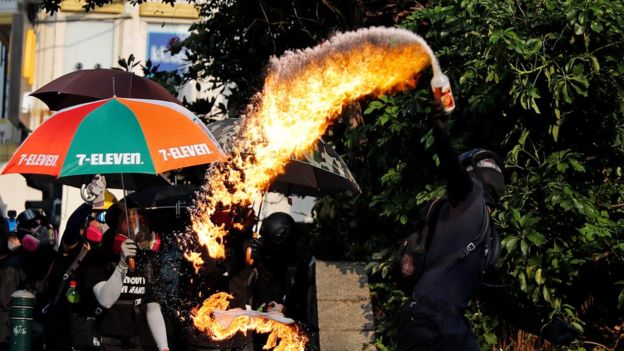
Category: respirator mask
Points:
column 139, row 231
column 96, row 227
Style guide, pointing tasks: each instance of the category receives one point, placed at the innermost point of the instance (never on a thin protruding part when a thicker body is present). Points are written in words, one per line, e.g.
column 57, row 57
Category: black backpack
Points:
column 409, row 259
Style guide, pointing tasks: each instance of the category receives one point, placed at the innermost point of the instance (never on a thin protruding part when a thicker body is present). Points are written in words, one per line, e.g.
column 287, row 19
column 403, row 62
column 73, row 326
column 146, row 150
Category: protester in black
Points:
column 285, row 280
column 461, row 249
column 37, row 246
column 12, row 278
column 128, row 296
column 232, row 275
column 77, row 250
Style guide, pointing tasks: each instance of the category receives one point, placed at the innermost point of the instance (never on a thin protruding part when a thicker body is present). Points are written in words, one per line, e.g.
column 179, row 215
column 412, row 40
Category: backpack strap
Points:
column 471, row 246
column 68, row 273
column 431, row 218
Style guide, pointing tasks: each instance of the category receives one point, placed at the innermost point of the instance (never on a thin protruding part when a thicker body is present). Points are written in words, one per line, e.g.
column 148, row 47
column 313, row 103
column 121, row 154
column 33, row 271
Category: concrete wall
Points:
column 345, row 313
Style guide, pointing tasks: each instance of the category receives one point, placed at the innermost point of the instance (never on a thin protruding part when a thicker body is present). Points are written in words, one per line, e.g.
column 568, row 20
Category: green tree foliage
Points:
column 539, row 82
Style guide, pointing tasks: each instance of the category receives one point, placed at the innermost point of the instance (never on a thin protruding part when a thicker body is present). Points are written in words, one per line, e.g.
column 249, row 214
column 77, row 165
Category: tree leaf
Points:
column 539, row 279
column 596, row 26
column 536, row 238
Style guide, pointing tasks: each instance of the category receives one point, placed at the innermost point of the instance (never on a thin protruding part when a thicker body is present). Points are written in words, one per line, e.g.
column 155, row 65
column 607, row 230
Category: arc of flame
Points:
column 304, row 92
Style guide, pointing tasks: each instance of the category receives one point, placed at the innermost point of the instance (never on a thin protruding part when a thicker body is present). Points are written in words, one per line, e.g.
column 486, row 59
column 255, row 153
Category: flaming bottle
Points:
column 442, row 92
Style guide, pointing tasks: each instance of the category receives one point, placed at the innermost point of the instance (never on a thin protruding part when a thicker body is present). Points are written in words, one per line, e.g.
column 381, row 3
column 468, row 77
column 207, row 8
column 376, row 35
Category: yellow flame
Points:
column 194, row 257
column 281, row 337
column 299, row 101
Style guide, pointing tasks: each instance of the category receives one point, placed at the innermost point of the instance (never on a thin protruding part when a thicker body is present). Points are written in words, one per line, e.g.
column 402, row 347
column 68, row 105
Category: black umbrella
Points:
column 168, row 196
column 132, row 181
column 320, row 170
column 88, row 85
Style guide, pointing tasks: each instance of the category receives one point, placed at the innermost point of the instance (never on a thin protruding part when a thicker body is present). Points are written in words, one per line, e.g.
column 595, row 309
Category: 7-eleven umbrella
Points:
column 116, row 136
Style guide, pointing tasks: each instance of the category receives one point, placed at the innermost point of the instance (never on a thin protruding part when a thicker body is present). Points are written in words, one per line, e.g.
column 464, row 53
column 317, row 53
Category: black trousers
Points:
column 132, row 343
column 426, row 325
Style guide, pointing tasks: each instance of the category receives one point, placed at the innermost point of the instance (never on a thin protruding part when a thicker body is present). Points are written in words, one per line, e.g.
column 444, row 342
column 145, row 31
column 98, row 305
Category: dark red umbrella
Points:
column 95, row 84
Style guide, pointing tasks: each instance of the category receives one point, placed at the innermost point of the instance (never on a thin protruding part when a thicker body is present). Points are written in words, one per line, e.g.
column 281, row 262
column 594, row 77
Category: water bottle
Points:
column 442, row 92
column 72, row 293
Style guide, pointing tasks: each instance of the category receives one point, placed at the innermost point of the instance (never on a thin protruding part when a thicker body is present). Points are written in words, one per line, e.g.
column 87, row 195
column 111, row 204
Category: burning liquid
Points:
column 304, row 92
column 281, row 337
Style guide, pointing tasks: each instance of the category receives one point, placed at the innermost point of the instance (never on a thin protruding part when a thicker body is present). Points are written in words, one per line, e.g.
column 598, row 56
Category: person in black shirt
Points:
column 81, row 246
column 12, row 277
column 284, row 281
column 461, row 249
column 128, row 296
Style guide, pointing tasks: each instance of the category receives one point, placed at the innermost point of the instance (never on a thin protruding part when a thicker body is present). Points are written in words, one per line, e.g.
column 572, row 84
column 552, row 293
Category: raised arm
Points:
column 458, row 182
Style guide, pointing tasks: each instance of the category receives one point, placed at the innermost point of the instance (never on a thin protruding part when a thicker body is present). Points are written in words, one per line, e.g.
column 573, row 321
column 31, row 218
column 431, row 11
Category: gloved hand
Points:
column 275, row 307
column 93, row 192
column 559, row 332
column 128, row 249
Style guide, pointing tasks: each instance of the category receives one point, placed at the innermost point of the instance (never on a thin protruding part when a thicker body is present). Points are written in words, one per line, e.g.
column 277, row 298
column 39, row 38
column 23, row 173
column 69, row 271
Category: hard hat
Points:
column 109, row 200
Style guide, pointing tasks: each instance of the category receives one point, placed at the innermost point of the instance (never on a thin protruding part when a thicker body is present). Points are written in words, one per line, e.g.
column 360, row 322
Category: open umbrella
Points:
column 116, row 136
column 88, row 85
column 317, row 171
column 168, row 196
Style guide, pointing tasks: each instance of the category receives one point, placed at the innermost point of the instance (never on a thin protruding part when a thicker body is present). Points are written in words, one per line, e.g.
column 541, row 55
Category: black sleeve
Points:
column 458, row 182
column 71, row 234
column 521, row 314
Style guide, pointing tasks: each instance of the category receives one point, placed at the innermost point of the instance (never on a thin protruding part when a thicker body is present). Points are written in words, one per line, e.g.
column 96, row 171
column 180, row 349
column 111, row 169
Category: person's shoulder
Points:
column 12, row 261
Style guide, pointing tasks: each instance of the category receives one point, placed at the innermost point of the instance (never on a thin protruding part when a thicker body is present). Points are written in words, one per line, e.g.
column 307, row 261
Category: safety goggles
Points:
column 99, row 216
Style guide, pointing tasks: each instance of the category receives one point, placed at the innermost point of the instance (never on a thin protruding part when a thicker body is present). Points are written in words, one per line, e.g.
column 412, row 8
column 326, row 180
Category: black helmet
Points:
column 487, row 166
column 278, row 229
column 30, row 218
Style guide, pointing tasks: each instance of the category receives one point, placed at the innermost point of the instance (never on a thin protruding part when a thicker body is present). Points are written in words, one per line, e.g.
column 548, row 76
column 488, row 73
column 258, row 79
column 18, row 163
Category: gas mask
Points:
column 96, row 227
column 139, row 232
column 34, row 238
column 31, row 226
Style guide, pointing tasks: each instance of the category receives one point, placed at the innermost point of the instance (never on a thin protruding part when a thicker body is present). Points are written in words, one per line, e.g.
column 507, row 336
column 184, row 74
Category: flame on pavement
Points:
column 281, row 337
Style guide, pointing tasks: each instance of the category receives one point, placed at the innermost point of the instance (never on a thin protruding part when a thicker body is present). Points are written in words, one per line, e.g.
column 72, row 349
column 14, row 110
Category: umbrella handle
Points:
column 131, row 264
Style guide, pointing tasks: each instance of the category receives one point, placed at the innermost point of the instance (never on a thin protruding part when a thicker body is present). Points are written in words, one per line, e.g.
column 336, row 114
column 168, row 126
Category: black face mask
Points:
column 493, row 184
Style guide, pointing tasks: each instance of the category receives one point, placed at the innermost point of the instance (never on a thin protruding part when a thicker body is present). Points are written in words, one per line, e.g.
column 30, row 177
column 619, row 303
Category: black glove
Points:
column 559, row 332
